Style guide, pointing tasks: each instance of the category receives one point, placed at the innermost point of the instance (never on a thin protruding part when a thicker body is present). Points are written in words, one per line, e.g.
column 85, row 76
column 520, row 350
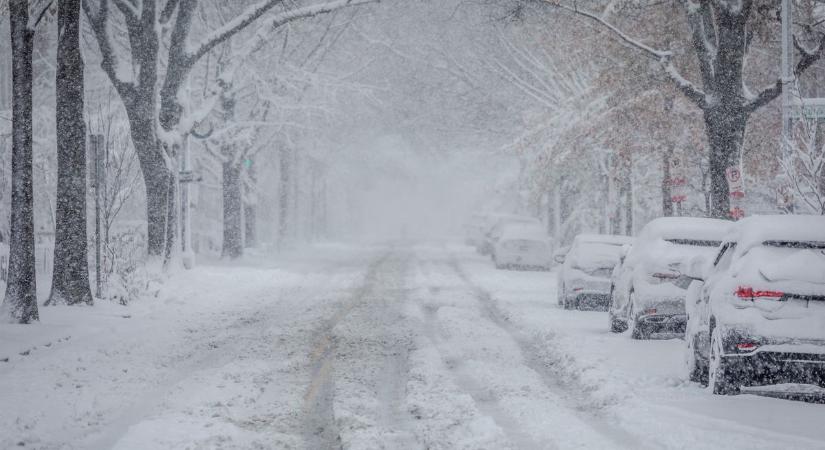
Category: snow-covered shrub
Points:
column 127, row 276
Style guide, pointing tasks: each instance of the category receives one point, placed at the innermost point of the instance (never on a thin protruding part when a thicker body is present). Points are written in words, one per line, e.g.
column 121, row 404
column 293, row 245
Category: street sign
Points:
column 678, row 179
column 736, row 188
column 188, row 176
column 735, row 182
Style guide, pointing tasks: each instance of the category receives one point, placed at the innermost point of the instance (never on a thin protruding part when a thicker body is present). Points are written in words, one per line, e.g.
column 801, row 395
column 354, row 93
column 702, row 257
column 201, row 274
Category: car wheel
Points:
column 615, row 325
column 568, row 302
column 697, row 372
column 638, row 331
column 722, row 374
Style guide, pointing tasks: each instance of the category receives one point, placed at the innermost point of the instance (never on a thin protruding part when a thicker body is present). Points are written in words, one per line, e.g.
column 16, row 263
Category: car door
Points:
column 718, row 270
column 623, row 274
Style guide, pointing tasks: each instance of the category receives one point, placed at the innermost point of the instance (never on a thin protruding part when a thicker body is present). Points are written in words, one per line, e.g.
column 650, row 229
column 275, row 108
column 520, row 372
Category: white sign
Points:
column 736, row 186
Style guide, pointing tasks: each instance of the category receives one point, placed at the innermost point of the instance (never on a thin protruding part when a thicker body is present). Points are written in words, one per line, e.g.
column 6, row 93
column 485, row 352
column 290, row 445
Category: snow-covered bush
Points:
column 127, row 276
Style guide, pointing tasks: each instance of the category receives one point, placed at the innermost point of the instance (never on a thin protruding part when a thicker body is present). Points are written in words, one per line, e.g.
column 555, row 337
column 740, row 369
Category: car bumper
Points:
column 776, row 360
column 664, row 323
column 665, row 315
column 523, row 261
column 592, row 294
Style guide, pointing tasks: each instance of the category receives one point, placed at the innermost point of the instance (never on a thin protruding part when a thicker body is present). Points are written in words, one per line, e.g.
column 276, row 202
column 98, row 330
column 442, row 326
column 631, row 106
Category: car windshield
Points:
column 596, row 255
column 812, row 245
column 695, row 242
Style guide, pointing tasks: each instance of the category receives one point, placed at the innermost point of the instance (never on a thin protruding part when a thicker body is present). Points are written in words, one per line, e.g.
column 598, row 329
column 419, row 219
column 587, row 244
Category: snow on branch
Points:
column 768, row 94
column 108, row 63
column 662, row 56
column 239, row 23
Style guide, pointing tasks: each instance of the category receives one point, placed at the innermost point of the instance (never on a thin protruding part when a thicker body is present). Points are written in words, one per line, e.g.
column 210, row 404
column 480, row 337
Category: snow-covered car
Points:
column 648, row 285
column 584, row 277
column 523, row 247
column 495, row 231
column 757, row 309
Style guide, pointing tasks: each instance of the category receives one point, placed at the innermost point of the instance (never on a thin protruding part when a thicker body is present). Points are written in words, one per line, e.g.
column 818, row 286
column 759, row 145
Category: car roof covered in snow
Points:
column 754, row 230
column 698, row 228
column 603, row 239
column 524, row 231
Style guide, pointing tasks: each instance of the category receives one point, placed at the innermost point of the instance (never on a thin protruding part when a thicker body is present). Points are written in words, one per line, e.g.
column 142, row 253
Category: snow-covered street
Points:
column 388, row 346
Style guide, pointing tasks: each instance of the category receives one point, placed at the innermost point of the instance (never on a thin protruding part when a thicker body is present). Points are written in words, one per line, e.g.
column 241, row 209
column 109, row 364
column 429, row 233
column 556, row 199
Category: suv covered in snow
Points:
column 648, row 286
column 496, row 230
column 523, row 247
column 584, row 278
column 757, row 312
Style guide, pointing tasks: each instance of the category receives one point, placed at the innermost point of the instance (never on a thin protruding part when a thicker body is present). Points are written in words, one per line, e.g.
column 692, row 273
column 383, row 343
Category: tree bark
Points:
column 725, row 128
column 283, row 195
column 250, row 225
column 232, row 211
column 20, row 302
column 70, row 280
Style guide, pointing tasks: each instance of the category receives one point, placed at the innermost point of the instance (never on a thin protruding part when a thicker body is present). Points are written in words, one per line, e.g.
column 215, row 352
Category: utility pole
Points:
column 786, row 62
column 186, row 178
column 99, row 184
column 785, row 194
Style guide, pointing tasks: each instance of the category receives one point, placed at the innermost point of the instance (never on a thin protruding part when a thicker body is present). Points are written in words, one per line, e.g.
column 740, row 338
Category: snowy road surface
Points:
column 394, row 346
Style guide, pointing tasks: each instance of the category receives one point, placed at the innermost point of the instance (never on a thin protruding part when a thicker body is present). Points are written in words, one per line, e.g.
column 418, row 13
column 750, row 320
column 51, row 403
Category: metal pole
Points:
column 186, row 211
column 97, row 141
column 788, row 88
column 786, row 69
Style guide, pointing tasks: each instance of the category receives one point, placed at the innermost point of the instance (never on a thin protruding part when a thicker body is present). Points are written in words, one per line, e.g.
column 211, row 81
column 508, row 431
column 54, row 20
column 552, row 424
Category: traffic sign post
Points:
column 678, row 181
column 736, row 188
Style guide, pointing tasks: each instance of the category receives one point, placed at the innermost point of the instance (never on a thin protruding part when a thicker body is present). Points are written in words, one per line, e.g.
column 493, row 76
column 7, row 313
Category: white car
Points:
column 757, row 309
column 495, row 231
column 584, row 277
column 523, row 247
column 648, row 286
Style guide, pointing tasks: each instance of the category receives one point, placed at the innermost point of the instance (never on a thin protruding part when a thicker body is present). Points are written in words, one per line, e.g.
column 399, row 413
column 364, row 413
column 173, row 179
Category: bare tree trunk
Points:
column 232, row 211
column 283, row 195
column 725, row 129
column 250, row 212
column 20, row 302
column 70, row 280
column 250, row 226
column 627, row 188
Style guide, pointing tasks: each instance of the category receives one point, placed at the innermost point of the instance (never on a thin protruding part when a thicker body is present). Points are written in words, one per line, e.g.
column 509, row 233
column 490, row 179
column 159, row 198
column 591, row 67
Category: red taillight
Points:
column 650, row 311
column 746, row 292
column 746, row 346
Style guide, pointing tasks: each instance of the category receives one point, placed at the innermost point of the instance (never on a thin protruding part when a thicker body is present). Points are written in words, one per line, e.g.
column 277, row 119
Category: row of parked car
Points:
column 748, row 296
column 512, row 241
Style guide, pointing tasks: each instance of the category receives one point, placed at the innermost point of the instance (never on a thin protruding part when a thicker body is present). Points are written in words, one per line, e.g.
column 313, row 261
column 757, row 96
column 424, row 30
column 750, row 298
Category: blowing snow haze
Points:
column 412, row 224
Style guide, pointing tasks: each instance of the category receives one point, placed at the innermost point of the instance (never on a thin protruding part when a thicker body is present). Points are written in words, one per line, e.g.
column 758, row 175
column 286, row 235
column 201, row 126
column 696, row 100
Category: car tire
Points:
column 697, row 372
column 616, row 325
column 568, row 302
column 638, row 331
column 722, row 377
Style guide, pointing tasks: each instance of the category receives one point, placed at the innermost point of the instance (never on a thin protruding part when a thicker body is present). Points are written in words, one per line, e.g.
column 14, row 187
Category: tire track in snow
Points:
column 485, row 401
column 320, row 426
column 533, row 359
